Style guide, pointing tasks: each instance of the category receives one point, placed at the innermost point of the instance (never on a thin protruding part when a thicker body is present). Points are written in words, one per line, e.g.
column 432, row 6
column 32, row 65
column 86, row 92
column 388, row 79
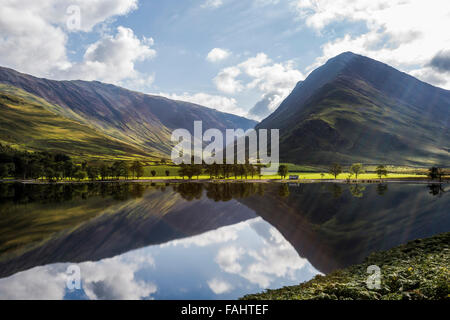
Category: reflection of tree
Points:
column 357, row 190
column 335, row 189
column 228, row 191
column 436, row 189
column 189, row 191
column 382, row 189
column 56, row 193
column 283, row 191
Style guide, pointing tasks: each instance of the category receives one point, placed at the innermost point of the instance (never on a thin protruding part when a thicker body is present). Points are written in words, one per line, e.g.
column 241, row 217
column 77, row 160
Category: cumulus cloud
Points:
column 220, row 103
column 217, row 54
column 226, row 80
column 113, row 58
column 34, row 37
column 219, row 286
column 404, row 33
column 274, row 80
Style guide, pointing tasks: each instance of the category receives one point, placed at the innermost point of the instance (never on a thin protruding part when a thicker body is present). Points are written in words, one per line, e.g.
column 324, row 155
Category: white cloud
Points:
column 212, row 4
column 219, row 286
column 218, row 54
column 227, row 258
column 274, row 80
column 220, row 103
column 113, row 58
column 34, row 38
column 404, row 33
column 226, row 81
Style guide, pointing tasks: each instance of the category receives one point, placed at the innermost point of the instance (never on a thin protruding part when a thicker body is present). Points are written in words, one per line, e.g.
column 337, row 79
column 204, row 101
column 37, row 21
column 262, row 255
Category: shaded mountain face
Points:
column 335, row 226
column 357, row 109
column 140, row 120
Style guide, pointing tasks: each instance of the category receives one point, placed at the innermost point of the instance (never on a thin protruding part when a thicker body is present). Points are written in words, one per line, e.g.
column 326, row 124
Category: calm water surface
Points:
column 199, row 241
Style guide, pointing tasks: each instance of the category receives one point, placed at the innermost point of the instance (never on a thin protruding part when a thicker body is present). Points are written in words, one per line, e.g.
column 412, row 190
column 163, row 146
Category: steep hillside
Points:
column 357, row 109
column 30, row 123
column 137, row 119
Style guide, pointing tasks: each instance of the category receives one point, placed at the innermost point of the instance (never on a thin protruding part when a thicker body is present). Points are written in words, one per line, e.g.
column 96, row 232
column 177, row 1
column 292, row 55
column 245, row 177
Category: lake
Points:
column 199, row 240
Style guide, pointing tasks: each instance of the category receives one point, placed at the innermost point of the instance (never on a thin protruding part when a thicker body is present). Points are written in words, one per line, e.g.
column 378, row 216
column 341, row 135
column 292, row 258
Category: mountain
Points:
column 31, row 123
column 138, row 121
column 356, row 109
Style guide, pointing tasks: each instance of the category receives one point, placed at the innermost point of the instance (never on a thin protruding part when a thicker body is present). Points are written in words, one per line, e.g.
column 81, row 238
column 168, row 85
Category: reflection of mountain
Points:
column 157, row 217
column 334, row 230
column 331, row 225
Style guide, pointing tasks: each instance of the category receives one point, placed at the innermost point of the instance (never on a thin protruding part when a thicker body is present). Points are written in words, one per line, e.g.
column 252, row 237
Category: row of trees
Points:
column 356, row 169
column 26, row 165
column 220, row 171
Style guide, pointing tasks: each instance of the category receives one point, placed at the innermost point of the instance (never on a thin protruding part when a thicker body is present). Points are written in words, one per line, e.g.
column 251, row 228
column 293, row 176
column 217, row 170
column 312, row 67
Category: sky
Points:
column 237, row 56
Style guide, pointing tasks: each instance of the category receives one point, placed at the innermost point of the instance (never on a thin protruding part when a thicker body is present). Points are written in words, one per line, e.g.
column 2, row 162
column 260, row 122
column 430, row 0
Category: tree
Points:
column 283, row 171
column 436, row 173
column 335, row 170
column 139, row 169
column 4, row 172
column 381, row 171
column 153, row 172
column 92, row 172
column 80, row 175
column 104, row 171
column 357, row 169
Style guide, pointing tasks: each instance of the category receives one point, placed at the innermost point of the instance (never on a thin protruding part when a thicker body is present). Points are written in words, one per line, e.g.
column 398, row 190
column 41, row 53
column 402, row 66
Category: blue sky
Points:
column 225, row 54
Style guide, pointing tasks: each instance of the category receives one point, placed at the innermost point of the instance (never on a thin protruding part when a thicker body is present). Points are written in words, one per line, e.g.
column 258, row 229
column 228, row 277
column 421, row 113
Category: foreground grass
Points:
column 418, row 270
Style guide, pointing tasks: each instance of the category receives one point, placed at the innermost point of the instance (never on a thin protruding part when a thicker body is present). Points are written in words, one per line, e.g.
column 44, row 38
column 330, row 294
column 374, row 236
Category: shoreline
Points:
column 296, row 182
column 417, row 270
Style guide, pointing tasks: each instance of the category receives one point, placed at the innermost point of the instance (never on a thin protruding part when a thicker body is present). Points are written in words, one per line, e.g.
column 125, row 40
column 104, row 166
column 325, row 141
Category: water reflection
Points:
column 245, row 257
column 200, row 241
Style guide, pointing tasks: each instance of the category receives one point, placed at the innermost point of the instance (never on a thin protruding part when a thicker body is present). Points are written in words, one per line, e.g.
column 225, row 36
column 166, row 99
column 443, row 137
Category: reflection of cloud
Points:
column 219, row 286
column 108, row 279
column 276, row 257
column 227, row 259
column 35, row 284
column 221, row 235
column 114, row 279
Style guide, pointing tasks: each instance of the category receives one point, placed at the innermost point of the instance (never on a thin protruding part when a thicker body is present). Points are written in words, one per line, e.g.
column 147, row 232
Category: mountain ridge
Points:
column 355, row 108
column 141, row 120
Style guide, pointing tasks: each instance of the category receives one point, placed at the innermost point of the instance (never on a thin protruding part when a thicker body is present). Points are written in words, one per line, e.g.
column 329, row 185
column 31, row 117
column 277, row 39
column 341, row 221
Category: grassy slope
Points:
column 30, row 123
column 417, row 270
column 349, row 121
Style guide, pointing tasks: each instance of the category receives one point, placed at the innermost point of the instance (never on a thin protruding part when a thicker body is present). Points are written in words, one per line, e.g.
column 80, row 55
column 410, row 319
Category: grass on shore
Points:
column 418, row 270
